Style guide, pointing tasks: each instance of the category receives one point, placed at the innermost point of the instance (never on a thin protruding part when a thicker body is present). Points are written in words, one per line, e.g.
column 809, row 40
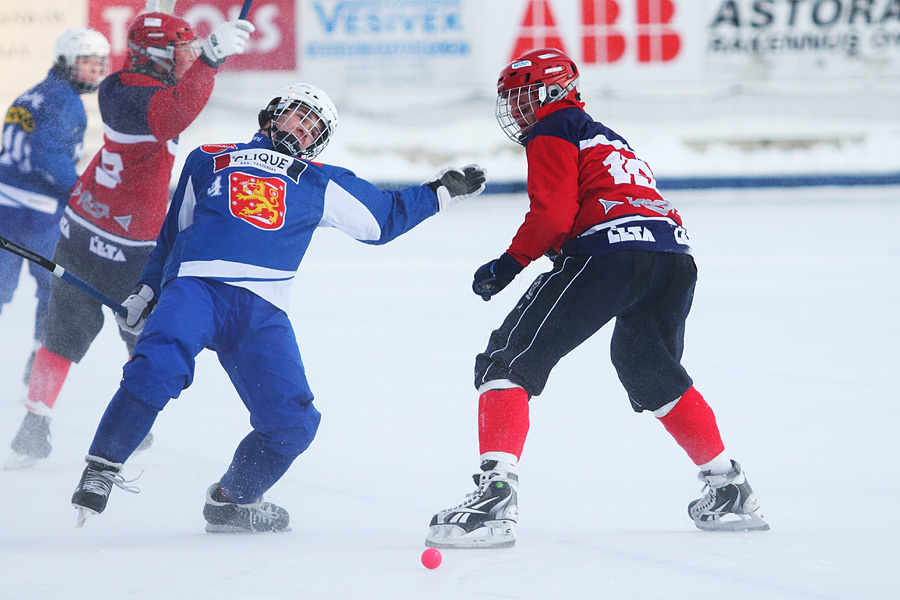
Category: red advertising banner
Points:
column 272, row 46
column 603, row 26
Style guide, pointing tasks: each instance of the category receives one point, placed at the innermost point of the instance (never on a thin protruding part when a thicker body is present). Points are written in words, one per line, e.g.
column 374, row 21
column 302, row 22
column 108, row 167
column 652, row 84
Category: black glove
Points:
column 495, row 275
column 456, row 185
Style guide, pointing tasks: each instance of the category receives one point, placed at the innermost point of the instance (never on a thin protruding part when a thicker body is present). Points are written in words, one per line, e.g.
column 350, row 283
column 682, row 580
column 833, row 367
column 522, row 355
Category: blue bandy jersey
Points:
column 43, row 135
column 244, row 214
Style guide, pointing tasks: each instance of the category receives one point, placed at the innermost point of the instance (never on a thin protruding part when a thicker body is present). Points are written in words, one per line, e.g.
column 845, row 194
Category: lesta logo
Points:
column 257, row 200
column 602, row 39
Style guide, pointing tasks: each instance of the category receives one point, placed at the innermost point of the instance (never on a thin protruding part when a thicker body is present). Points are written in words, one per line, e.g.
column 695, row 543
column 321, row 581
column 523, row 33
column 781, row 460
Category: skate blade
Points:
column 83, row 514
column 233, row 530
column 18, row 461
column 749, row 522
column 492, row 535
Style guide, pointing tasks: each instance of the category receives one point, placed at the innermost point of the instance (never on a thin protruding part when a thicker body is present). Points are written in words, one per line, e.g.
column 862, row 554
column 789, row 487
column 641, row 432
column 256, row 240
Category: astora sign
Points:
column 272, row 46
column 805, row 27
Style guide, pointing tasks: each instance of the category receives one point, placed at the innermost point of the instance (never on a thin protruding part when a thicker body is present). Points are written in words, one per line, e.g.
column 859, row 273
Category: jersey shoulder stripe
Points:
column 576, row 126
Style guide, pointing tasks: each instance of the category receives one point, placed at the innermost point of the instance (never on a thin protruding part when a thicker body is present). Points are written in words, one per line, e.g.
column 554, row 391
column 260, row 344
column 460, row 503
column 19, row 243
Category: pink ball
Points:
column 432, row 558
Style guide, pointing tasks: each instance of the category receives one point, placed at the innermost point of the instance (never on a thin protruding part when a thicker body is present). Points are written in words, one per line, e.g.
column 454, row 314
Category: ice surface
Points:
column 792, row 340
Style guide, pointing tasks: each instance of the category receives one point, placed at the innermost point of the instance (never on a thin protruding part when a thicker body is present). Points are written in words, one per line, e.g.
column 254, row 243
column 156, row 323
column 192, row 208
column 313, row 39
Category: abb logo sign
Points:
column 272, row 46
column 603, row 39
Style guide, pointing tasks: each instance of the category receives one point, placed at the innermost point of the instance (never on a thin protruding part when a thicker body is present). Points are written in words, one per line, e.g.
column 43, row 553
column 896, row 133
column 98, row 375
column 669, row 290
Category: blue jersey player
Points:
column 220, row 277
column 43, row 136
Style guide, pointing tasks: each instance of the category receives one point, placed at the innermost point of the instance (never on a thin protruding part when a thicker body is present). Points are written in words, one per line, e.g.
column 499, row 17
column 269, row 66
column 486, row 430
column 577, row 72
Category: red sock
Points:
column 47, row 377
column 693, row 425
column 503, row 421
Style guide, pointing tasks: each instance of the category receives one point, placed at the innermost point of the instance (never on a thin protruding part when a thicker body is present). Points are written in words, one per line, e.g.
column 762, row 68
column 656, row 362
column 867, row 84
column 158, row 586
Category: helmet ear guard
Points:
column 551, row 93
column 267, row 114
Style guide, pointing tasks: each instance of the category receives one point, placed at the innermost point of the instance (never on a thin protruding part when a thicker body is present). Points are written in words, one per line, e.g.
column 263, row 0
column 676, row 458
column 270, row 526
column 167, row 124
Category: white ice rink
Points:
column 792, row 339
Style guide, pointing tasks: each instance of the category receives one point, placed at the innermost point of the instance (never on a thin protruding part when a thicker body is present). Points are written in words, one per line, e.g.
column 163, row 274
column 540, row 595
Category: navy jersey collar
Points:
column 557, row 106
column 262, row 141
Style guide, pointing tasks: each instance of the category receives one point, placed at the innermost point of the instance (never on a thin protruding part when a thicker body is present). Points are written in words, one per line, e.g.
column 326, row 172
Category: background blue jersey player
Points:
column 220, row 278
column 43, row 136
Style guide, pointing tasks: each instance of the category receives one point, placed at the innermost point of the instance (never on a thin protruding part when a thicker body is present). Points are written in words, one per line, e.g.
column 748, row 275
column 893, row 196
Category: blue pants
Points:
column 39, row 233
column 256, row 346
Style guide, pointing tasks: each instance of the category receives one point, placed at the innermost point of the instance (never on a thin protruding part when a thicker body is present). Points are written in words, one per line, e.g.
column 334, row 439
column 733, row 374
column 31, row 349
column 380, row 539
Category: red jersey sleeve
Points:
column 172, row 109
column 553, row 196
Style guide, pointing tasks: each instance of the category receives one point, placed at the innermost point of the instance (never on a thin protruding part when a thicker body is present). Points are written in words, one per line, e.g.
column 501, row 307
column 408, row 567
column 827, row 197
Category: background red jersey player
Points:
column 117, row 207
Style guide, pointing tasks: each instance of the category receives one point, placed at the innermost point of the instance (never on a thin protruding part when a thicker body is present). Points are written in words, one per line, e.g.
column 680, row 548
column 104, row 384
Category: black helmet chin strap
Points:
column 266, row 119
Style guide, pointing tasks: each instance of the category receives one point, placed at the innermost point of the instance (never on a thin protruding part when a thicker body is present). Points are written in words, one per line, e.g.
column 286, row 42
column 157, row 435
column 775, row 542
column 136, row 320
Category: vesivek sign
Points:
column 359, row 17
column 409, row 40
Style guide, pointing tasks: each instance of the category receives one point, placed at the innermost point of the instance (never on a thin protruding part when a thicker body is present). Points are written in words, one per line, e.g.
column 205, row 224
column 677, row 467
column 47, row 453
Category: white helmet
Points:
column 77, row 42
column 300, row 120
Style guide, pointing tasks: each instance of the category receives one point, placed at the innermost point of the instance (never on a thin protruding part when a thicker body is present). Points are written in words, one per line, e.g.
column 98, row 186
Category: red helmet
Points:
column 535, row 79
column 162, row 46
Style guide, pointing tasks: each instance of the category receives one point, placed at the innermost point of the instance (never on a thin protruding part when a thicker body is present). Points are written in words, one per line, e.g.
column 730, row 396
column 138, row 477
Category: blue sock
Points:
column 253, row 470
column 124, row 425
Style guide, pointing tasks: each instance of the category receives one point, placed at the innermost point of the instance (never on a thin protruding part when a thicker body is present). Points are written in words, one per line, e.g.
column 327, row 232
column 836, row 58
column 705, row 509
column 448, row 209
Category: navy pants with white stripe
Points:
column 649, row 294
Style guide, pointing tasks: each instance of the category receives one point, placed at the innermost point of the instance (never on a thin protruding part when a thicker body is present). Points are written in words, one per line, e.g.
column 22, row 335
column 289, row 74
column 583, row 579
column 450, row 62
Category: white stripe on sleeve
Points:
column 186, row 214
column 345, row 212
column 127, row 138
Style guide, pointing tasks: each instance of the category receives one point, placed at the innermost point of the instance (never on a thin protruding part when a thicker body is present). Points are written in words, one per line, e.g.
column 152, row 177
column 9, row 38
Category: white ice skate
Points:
column 486, row 519
column 728, row 503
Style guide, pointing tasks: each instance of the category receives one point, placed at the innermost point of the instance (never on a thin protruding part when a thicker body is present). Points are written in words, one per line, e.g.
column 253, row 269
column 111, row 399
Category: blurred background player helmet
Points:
column 81, row 55
column 162, row 46
column 533, row 80
column 300, row 120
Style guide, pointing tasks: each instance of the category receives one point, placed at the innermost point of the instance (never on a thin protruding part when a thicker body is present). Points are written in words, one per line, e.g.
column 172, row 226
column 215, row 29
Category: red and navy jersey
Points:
column 589, row 192
column 124, row 192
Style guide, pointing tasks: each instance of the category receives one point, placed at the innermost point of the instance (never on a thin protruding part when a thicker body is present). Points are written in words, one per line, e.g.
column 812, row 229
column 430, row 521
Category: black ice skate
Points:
column 224, row 516
column 32, row 442
column 728, row 503
column 486, row 519
column 96, row 483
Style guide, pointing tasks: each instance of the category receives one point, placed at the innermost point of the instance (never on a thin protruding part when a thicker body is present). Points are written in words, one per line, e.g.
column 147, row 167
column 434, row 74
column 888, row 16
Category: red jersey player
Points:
column 619, row 252
column 117, row 207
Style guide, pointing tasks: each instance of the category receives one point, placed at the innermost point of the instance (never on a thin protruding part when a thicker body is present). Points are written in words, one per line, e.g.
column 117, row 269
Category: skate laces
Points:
column 707, row 501
column 99, row 481
column 481, row 480
column 266, row 513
